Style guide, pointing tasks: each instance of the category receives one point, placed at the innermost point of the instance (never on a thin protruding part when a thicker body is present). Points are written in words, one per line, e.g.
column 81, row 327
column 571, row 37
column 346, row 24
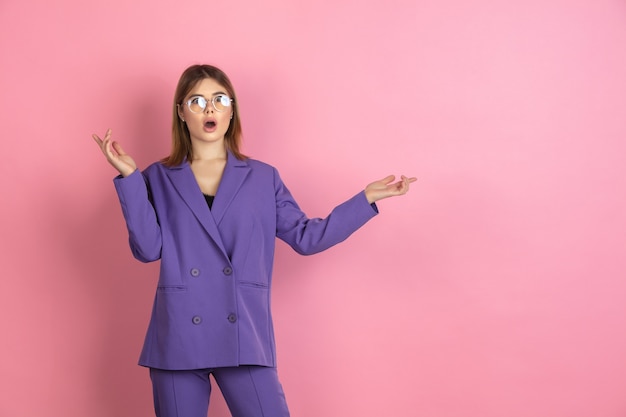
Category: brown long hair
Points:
column 181, row 141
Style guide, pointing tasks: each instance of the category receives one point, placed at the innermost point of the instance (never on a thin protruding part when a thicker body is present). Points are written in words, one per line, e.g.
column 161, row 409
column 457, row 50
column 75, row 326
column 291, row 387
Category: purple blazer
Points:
column 212, row 302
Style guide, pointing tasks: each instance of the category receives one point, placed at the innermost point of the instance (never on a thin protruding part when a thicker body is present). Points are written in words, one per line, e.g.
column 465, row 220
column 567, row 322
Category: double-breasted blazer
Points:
column 212, row 302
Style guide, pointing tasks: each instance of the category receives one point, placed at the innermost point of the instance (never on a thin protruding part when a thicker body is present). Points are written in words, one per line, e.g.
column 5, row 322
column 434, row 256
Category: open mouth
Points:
column 210, row 124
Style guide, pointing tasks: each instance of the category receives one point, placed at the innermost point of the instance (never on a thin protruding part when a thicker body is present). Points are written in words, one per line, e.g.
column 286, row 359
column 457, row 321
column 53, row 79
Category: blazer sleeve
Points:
column 308, row 236
column 144, row 232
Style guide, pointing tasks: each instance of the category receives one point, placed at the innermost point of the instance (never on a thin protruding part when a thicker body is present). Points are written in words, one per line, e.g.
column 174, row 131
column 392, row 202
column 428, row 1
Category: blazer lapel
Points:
column 234, row 175
column 185, row 183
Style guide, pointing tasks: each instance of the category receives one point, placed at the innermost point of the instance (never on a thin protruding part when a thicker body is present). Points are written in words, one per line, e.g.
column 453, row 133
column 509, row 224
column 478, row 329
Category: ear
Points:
column 179, row 109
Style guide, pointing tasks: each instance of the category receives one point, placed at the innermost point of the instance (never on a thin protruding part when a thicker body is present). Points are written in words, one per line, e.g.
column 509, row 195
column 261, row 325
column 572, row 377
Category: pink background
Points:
column 495, row 288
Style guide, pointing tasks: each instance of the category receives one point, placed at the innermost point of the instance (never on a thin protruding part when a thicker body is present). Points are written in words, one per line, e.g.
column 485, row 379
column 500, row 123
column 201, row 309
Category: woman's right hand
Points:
column 115, row 154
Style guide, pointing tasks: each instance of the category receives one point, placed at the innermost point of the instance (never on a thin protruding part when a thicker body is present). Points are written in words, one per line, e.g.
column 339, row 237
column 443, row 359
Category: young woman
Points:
column 211, row 215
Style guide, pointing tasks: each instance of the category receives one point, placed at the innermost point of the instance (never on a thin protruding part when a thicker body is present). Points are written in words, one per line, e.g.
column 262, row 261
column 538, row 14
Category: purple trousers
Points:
column 249, row 391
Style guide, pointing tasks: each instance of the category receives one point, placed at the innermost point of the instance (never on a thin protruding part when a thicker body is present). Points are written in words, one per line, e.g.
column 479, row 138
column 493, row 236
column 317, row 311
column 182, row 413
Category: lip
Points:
column 209, row 127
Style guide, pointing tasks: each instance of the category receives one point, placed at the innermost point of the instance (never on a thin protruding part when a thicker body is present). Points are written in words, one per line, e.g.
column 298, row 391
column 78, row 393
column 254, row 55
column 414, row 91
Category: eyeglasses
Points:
column 219, row 102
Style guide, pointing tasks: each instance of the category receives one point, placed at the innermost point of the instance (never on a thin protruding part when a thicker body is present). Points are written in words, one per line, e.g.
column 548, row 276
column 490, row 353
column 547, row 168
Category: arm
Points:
column 308, row 236
column 143, row 229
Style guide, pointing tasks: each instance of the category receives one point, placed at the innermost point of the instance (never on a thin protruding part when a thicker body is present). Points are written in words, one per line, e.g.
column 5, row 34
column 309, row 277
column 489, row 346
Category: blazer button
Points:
column 228, row 270
column 195, row 272
column 196, row 319
column 232, row 318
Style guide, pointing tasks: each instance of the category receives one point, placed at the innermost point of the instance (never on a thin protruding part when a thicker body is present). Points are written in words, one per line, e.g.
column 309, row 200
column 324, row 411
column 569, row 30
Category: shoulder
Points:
column 157, row 168
column 262, row 171
column 157, row 172
column 255, row 164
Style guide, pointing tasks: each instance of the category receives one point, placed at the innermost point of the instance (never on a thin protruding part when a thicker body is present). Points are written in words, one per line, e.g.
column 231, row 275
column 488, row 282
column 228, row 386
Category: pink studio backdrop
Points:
column 495, row 288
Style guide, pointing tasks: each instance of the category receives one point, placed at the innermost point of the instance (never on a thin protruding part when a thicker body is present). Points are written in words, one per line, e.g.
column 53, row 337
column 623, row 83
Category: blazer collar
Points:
column 185, row 183
column 233, row 177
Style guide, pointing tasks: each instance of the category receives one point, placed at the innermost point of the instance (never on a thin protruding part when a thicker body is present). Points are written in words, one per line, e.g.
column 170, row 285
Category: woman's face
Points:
column 208, row 124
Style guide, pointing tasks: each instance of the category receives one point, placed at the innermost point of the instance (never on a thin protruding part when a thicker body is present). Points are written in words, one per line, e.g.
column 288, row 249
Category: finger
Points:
column 107, row 135
column 400, row 187
column 108, row 149
column 403, row 186
column 100, row 142
column 406, row 183
column 396, row 188
column 118, row 149
column 388, row 179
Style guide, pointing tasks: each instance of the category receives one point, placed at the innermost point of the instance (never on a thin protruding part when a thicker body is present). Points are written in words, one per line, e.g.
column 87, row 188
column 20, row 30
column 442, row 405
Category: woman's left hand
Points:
column 387, row 188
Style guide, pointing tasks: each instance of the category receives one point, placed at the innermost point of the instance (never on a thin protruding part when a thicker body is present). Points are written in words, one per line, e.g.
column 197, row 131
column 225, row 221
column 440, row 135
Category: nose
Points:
column 209, row 108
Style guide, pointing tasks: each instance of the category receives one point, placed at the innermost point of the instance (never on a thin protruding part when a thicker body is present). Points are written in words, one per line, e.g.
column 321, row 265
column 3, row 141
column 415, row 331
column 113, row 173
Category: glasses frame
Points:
column 212, row 101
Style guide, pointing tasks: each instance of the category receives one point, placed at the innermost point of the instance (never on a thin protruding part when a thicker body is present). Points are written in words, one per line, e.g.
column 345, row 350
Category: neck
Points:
column 209, row 151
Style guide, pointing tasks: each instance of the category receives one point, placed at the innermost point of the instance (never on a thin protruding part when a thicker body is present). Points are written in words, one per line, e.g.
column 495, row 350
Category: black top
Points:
column 209, row 200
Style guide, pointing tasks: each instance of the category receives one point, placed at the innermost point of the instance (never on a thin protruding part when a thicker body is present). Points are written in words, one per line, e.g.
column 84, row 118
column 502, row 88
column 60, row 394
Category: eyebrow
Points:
column 213, row 95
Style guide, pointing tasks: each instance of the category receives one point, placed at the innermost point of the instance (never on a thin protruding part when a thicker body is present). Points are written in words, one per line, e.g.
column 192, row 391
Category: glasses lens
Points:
column 197, row 104
column 221, row 102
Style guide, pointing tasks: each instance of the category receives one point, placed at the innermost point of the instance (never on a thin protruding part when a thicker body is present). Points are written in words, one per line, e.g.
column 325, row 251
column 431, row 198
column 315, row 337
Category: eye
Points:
column 197, row 104
column 224, row 100
column 198, row 101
